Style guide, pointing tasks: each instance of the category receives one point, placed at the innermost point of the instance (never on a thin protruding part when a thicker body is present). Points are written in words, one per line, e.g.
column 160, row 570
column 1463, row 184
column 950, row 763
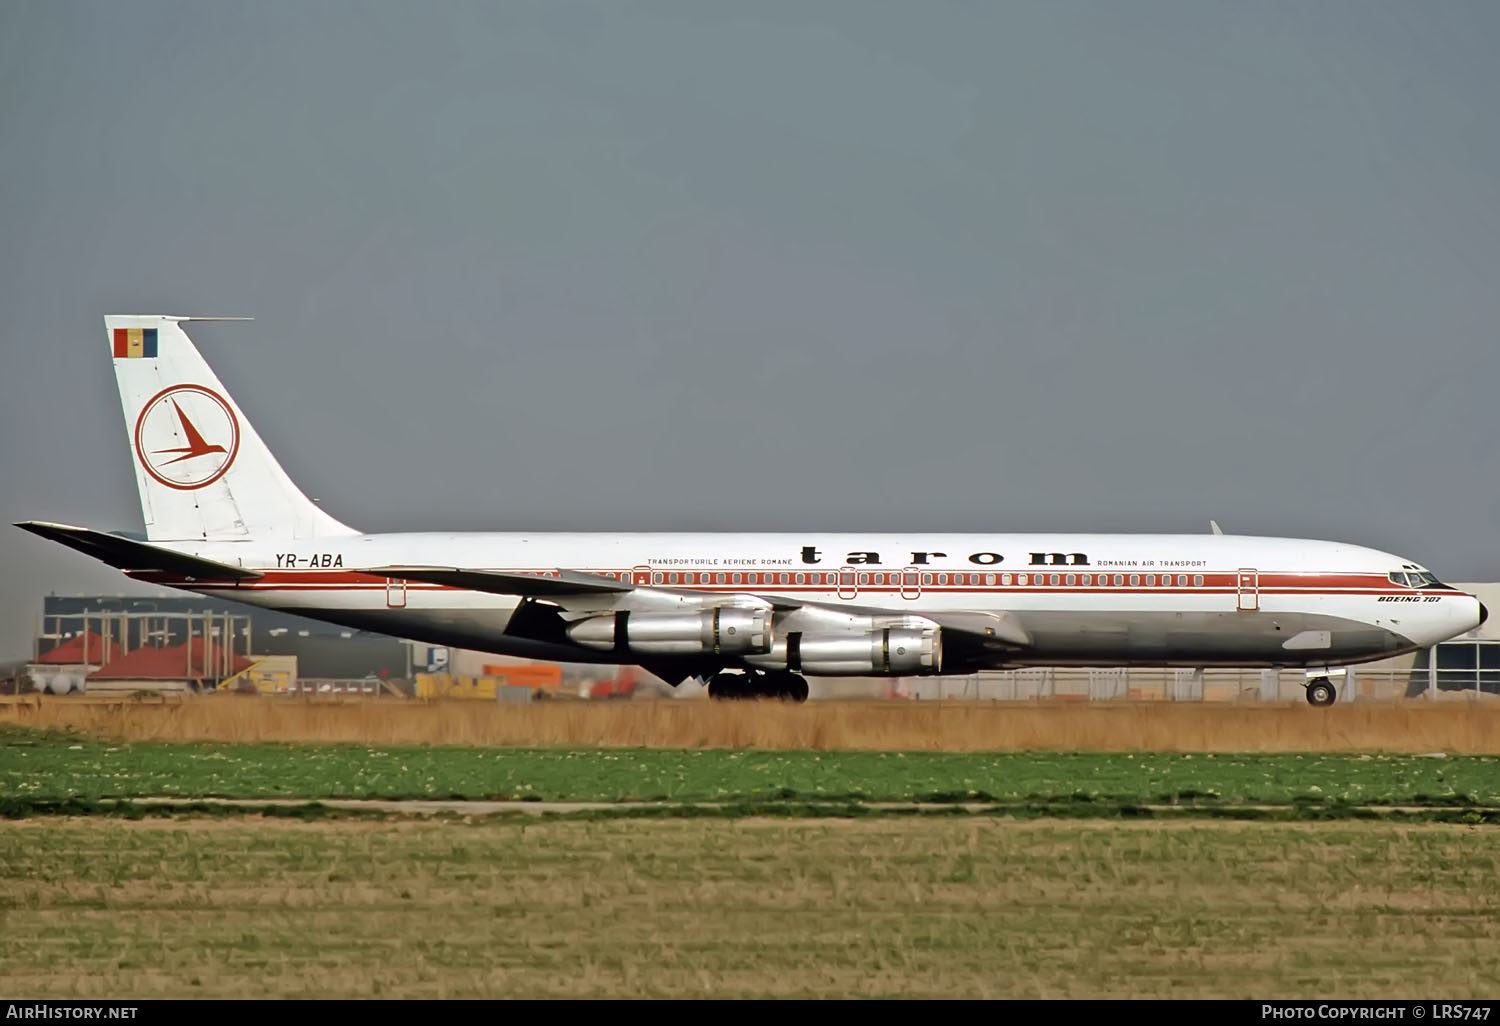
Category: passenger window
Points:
column 1135, row 580
column 1119, row 580
column 1052, row 580
column 1150, row 580
column 926, row 578
column 1182, row 580
column 1087, row 579
column 656, row 577
column 989, row 579
column 799, row 578
column 1023, row 580
column 737, row 578
column 864, row 578
column 1071, row 580
column 1197, row 580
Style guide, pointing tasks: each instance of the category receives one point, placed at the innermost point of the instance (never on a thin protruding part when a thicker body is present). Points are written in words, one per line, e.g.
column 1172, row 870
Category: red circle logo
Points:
column 187, row 436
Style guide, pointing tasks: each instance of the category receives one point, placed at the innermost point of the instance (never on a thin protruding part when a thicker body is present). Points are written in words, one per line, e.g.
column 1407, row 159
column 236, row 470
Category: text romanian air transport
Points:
column 749, row 614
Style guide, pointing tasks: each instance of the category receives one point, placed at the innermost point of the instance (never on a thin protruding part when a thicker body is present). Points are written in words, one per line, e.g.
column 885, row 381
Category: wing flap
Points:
column 135, row 556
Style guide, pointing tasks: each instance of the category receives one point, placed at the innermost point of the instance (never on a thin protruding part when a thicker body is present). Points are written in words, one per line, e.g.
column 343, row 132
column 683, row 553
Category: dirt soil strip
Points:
column 427, row 807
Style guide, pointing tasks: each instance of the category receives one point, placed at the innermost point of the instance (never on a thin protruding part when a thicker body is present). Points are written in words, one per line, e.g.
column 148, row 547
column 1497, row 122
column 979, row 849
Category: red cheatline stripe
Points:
column 1293, row 583
column 1029, row 590
column 1266, row 581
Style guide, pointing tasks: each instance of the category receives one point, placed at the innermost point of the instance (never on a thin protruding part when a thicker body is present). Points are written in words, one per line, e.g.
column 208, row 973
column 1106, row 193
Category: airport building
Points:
column 176, row 642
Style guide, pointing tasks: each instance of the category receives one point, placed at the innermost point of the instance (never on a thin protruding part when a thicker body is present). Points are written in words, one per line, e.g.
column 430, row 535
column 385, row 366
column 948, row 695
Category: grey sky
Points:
column 770, row 266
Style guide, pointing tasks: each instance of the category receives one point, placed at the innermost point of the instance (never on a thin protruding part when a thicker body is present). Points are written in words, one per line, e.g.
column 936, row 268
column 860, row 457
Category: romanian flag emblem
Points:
column 135, row 342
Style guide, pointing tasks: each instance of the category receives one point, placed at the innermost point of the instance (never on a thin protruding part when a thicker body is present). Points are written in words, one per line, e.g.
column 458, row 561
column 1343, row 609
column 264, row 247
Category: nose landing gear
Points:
column 1321, row 692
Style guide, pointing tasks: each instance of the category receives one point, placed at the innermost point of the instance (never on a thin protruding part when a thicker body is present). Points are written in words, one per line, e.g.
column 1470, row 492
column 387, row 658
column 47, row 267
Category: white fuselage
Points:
column 1188, row 600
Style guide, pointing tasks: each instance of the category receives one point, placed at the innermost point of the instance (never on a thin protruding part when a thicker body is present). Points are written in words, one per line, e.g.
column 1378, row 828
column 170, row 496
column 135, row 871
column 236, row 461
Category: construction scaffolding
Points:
column 171, row 651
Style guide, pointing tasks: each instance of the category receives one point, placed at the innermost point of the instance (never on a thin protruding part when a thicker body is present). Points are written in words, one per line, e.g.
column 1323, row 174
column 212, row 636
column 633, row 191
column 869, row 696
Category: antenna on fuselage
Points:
column 1214, row 524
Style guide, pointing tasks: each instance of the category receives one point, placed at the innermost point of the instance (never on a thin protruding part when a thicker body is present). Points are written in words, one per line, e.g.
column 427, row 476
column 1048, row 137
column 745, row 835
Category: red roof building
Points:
column 180, row 662
column 73, row 650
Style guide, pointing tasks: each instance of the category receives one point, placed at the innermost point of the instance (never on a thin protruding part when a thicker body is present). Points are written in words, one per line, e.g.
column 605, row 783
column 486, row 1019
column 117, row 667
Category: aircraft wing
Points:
column 135, row 556
column 989, row 631
column 555, row 584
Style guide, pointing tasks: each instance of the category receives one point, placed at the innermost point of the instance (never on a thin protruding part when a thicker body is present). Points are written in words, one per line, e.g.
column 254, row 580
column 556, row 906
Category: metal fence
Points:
column 371, row 686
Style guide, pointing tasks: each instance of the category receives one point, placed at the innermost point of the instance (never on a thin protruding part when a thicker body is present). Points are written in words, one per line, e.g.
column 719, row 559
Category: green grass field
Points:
column 735, row 905
column 37, row 766
column 746, row 908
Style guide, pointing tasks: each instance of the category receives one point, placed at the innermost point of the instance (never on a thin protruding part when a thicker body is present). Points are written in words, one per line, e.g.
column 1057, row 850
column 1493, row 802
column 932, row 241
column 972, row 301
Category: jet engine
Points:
column 723, row 630
column 894, row 651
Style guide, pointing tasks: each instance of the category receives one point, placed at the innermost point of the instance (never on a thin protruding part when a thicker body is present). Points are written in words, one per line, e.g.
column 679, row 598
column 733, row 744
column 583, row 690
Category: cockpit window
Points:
column 1412, row 580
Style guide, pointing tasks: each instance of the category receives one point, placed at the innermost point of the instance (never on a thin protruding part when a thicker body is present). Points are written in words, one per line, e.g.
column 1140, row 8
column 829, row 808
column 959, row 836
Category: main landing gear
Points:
column 1321, row 692
column 779, row 684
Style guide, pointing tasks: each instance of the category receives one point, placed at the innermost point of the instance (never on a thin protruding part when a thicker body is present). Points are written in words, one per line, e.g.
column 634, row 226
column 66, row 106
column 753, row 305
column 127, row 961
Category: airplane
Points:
column 748, row 615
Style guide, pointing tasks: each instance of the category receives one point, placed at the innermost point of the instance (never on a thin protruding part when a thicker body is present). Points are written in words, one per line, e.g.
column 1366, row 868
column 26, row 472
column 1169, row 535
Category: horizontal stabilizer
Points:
column 134, row 556
column 498, row 582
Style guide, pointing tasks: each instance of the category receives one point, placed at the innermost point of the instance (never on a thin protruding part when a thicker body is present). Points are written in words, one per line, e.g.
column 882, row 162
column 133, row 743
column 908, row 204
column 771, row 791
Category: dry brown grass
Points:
column 748, row 908
column 1456, row 727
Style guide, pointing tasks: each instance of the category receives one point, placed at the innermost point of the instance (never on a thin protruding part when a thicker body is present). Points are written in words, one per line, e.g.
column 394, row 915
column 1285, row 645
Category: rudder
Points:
column 202, row 471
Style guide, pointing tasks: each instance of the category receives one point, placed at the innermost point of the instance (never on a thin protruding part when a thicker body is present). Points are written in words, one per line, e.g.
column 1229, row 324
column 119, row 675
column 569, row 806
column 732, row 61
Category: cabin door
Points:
column 395, row 593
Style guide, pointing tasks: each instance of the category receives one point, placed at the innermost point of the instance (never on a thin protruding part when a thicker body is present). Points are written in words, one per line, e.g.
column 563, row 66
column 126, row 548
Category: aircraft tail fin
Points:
column 202, row 470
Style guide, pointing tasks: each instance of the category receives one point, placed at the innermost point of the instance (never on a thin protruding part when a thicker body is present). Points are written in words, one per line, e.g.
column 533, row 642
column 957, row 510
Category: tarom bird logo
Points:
column 196, row 446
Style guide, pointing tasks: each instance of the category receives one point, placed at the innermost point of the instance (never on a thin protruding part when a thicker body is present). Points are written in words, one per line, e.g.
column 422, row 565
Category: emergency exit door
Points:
column 1249, row 591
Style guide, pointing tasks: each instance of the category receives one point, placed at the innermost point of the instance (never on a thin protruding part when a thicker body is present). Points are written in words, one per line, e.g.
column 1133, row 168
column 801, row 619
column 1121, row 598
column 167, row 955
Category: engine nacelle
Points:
column 897, row 651
column 724, row 630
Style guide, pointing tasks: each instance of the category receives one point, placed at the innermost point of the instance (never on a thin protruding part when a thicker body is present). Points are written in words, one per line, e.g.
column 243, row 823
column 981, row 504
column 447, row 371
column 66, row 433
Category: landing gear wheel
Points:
column 730, row 686
column 1320, row 692
column 787, row 686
